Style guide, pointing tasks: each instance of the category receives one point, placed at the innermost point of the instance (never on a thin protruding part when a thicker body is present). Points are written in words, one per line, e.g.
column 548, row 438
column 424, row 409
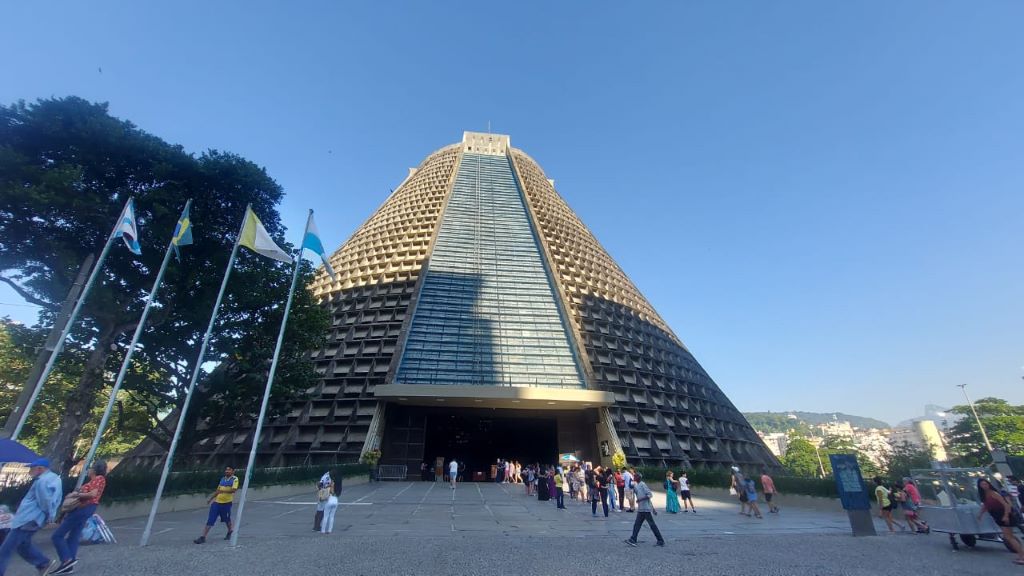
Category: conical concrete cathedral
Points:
column 476, row 317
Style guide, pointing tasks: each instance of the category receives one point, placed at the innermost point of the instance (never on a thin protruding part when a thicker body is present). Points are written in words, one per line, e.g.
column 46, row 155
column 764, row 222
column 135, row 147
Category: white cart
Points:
column 950, row 504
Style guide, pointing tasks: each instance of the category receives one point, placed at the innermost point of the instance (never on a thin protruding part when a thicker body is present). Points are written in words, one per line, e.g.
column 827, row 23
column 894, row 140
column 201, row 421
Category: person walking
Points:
column 671, row 496
column 645, row 511
column 453, row 471
column 911, row 502
column 581, row 478
column 684, row 492
column 38, row 508
column 628, row 476
column 738, row 487
column 531, row 476
column 885, row 504
column 752, row 497
column 220, row 504
column 324, row 486
column 331, row 506
column 768, row 487
column 67, row 537
column 574, row 483
column 1001, row 510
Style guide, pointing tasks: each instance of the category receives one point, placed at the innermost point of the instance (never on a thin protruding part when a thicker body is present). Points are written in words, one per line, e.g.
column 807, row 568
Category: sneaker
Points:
column 200, row 540
column 659, row 543
column 228, row 535
column 66, row 568
column 50, row 566
column 631, row 542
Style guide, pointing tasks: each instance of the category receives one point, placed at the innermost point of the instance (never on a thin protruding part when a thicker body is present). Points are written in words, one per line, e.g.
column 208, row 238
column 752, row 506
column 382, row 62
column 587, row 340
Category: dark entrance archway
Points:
column 478, row 436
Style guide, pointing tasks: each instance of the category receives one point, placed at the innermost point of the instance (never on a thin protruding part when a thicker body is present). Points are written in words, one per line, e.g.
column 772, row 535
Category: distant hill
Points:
column 782, row 421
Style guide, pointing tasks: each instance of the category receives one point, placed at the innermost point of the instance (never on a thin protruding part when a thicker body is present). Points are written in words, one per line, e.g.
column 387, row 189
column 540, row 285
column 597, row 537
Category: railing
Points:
column 392, row 471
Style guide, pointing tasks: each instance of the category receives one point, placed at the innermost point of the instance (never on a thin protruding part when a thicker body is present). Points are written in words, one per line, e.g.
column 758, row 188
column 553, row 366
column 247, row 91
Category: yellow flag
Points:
column 255, row 238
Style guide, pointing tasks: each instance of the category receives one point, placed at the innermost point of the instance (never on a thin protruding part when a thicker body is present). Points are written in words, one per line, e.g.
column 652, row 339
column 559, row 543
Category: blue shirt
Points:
column 39, row 507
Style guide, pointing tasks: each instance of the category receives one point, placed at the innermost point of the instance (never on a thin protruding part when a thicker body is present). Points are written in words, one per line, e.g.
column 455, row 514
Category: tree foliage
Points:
column 1003, row 422
column 802, row 458
column 18, row 348
column 66, row 169
column 906, row 457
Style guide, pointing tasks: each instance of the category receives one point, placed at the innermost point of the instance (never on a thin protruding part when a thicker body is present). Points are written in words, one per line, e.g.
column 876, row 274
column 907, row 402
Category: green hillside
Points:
column 783, row 422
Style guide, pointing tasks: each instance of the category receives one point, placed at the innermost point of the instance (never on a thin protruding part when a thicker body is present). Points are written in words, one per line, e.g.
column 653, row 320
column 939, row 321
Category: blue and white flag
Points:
column 312, row 243
column 128, row 228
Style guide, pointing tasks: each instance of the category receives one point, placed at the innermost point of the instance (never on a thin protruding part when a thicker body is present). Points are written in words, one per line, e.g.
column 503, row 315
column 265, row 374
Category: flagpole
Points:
column 191, row 388
column 23, row 417
column 127, row 361
column 266, row 391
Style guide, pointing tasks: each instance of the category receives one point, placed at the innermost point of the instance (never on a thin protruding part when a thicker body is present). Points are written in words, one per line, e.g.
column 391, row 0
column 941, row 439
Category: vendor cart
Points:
column 950, row 504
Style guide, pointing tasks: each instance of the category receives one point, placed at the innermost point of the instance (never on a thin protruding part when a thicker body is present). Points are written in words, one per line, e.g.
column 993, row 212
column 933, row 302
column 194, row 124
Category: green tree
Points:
column 906, row 457
column 18, row 347
column 802, row 458
column 1004, row 424
column 66, row 169
column 846, row 445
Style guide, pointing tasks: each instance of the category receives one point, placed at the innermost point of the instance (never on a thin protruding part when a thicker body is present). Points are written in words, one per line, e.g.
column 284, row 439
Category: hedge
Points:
column 140, row 485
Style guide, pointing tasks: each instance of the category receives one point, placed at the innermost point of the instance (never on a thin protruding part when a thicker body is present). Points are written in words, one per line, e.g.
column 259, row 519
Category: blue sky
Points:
column 823, row 199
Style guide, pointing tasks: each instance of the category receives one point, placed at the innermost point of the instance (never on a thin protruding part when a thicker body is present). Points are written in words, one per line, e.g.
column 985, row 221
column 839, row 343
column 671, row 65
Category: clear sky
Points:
column 823, row 199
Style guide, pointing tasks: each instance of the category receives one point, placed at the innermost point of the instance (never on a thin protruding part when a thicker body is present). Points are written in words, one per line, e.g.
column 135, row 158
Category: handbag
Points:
column 732, row 491
column 71, row 502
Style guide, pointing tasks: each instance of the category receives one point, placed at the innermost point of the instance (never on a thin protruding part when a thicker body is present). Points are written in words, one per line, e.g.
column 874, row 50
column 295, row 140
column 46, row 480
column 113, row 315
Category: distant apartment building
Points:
column 921, row 434
column 874, row 444
column 841, row 429
column 777, row 442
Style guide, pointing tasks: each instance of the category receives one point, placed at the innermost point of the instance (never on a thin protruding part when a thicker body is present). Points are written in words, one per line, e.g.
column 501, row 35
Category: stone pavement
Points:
column 426, row 528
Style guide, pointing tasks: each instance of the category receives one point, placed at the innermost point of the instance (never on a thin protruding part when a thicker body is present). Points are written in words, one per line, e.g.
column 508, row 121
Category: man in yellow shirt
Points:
column 220, row 504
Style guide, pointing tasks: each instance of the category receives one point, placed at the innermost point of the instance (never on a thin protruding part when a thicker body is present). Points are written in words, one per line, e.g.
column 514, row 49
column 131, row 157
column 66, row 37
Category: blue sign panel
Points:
column 849, row 482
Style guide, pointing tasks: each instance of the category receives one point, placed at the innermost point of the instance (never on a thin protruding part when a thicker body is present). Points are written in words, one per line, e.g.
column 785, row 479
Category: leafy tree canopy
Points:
column 66, row 169
column 1004, row 424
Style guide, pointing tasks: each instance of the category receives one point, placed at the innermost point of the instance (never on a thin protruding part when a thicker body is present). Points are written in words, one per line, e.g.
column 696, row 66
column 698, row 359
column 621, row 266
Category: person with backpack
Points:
column 330, row 506
column 627, row 476
column 67, row 537
column 620, row 487
column 910, row 505
column 323, row 494
column 738, row 487
column 885, row 504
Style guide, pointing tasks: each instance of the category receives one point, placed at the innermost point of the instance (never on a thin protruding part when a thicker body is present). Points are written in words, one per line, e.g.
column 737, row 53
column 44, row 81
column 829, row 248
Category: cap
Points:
column 40, row 462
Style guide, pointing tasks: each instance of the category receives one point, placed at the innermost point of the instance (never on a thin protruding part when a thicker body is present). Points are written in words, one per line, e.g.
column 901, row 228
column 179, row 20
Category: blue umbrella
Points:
column 11, row 451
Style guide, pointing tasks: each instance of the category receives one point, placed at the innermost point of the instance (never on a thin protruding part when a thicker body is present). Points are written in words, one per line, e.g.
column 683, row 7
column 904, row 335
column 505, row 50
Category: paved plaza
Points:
column 421, row 528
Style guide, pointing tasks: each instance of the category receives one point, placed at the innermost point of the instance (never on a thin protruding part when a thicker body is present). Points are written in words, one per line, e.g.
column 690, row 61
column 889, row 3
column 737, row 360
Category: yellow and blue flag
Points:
column 182, row 232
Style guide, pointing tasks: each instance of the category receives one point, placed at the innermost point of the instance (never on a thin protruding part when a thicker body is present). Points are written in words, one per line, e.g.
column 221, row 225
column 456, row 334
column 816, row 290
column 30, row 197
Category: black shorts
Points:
column 684, row 494
column 768, row 496
column 889, row 508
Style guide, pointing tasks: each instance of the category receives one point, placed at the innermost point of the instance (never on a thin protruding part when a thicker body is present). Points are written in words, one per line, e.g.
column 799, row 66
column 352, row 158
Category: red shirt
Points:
column 97, row 484
column 767, row 484
column 994, row 504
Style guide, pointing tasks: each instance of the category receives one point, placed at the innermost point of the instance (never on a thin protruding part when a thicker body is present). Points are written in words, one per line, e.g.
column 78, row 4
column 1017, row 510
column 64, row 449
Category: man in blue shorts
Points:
column 220, row 504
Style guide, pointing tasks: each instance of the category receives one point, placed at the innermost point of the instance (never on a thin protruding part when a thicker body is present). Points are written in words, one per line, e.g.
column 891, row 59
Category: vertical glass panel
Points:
column 486, row 303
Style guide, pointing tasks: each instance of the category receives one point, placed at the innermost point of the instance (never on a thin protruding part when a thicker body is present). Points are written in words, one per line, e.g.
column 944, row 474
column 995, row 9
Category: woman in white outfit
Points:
column 330, row 507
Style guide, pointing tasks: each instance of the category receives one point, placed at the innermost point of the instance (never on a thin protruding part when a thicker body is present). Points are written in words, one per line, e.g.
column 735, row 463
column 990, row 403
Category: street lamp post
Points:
column 963, row 388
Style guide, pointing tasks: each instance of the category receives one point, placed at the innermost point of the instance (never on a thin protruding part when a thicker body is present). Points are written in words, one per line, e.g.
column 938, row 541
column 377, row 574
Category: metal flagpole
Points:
column 71, row 324
column 266, row 391
column 127, row 362
column 191, row 388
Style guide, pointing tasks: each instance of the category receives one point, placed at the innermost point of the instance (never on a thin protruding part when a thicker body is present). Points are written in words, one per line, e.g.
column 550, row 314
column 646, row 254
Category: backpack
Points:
column 96, row 531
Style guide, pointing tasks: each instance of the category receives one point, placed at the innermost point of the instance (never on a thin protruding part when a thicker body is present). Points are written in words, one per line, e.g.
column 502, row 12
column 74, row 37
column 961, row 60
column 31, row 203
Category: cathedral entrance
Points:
column 478, row 437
